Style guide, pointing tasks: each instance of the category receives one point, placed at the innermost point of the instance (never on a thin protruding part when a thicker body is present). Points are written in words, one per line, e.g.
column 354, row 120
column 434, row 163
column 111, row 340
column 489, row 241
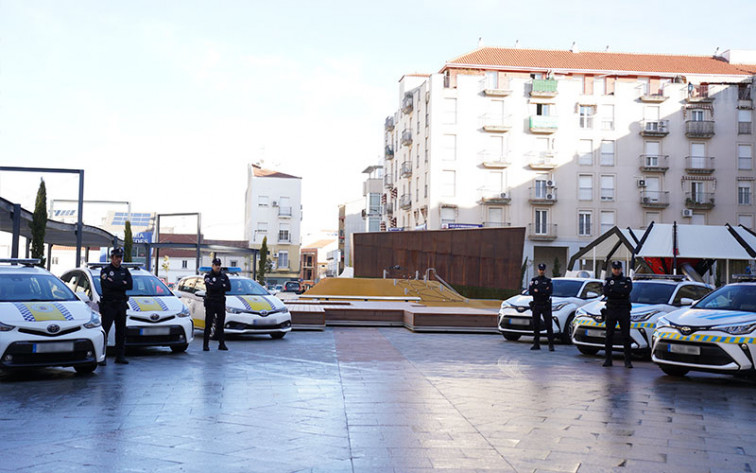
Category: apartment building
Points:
column 273, row 209
column 569, row 144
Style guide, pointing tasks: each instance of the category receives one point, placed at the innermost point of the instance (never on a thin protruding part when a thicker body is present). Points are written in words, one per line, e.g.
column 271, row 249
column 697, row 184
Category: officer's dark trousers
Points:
column 614, row 315
column 115, row 311
column 542, row 311
column 215, row 311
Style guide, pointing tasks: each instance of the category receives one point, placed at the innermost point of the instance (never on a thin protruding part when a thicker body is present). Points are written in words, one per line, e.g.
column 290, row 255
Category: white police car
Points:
column 650, row 298
column 516, row 318
column 154, row 316
column 716, row 334
column 250, row 309
column 43, row 323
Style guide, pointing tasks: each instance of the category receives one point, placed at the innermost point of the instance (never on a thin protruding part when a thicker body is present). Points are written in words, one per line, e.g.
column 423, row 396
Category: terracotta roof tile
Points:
column 260, row 172
column 600, row 61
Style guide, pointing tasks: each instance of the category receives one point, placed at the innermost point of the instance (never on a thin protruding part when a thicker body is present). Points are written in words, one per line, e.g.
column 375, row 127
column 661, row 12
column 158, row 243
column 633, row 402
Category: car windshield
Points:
column 730, row 298
column 566, row 288
column 33, row 287
column 246, row 287
column 651, row 293
column 143, row 286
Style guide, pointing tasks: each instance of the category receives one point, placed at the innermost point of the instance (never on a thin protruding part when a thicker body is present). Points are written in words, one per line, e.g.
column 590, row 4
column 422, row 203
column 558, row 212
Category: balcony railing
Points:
column 389, row 152
column 406, row 139
column 284, row 237
column 389, row 123
column 543, row 124
column 744, row 128
column 388, row 181
column 699, row 200
column 654, row 128
column 406, row 169
column 407, row 103
column 699, row 129
column 542, row 196
column 284, row 211
column 699, row 164
column 654, row 199
column 541, row 161
column 493, row 160
column 654, row 162
column 496, row 198
column 544, row 88
column 542, row 232
column 699, row 93
column 496, row 123
column 497, row 224
column 653, row 97
column 405, row 201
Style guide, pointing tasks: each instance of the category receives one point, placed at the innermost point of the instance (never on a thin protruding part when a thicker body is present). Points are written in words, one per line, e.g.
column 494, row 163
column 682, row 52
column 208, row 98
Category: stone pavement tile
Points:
column 642, row 466
column 732, row 462
column 398, row 463
column 500, row 464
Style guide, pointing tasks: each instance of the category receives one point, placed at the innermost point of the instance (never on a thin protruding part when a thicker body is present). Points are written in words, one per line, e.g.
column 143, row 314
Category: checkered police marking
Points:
column 38, row 312
column 704, row 338
column 255, row 304
column 147, row 304
column 593, row 323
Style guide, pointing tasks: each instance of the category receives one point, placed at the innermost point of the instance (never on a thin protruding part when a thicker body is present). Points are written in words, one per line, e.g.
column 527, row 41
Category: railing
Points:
column 744, row 128
column 501, row 198
column 389, row 123
column 405, row 201
column 493, row 160
column 543, row 124
column 699, row 164
column 406, row 138
column 654, row 199
column 388, row 180
column 699, row 200
column 544, row 160
column 698, row 92
column 655, row 127
column 744, row 93
column 284, row 211
column 542, row 231
column 656, row 96
column 407, row 103
column 544, row 88
column 497, row 224
column 389, row 152
column 699, row 129
column 654, row 162
column 284, row 237
column 542, row 195
column 406, row 169
column 491, row 122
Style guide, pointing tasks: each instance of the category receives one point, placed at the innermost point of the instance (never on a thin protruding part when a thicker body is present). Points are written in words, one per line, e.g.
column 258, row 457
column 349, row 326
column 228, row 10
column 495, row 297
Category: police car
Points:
column 651, row 298
column 516, row 318
column 250, row 309
column 43, row 323
column 716, row 334
column 154, row 315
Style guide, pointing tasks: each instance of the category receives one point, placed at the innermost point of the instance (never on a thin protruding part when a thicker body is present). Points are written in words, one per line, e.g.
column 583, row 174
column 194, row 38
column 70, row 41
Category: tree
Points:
column 39, row 224
column 556, row 271
column 523, row 269
column 263, row 265
column 128, row 243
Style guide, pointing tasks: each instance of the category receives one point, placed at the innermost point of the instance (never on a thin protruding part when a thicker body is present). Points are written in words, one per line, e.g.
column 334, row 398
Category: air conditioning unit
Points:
column 550, row 183
column 275, row 203
column 687, row 213
column 504, row 195
column 646, row 200
column 641, row 183
column 549, row 196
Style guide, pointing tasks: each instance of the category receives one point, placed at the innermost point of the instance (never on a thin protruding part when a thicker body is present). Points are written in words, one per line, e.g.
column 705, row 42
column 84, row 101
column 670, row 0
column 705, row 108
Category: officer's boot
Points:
column 551, row 345
column 608, row 361
column 206, row 341
column 121, row 358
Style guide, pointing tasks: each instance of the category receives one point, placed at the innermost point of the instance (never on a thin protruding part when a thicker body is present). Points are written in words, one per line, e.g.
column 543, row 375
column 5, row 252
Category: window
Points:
column 643, row 83
column 283, row 233
column 746, row 221
column 495, row 217
column 498, row 148
column 450, row 111
column 541, row 226
column 586, row 116
column 697, row 192
column 599, row 85
column 541, row 189
column 652, row 150
column 450, row 147
column 543, row 109
column 607, row 153
column 607, row 221
column 417, row 188
column 374, row 223
column 262, row 230
column 697, row 155
column 744, row 193
column 262, row 201
column 283, row 259
column 744, row 122
column 585, row 187
column 607, row 117
column 584, row 223
column 425, row 184
column 745, row 153
column 448, row 183
column 374, row 203
column 234, row 264
column 492, row 80
column 607, row 187
column 184, row 264
column 585, row 152
column 448, row 215
column 652, row 217
column 495, row 182
column 697, row 115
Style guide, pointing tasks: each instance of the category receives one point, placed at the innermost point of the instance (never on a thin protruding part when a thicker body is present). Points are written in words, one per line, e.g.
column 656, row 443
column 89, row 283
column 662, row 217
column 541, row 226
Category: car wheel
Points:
column 85, row 369
column 567, row 330
column 672, row 370
column 278, row 335
column 179, row 348
column 512, row 337
column 587, row 350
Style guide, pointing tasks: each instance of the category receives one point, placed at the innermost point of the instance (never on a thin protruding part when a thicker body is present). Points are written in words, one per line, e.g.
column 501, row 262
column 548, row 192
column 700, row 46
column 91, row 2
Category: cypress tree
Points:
column 128, row 243
column 39, row 224
column 262, row 265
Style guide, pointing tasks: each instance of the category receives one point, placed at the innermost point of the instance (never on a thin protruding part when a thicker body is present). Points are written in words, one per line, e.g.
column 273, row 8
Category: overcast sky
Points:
column 164, row 103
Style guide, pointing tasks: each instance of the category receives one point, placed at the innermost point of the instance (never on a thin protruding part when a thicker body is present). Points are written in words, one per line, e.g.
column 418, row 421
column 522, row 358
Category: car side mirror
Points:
column 524, row 292
column 686, row 301
column 202, row 294
column 591, row 295
column 83, row 297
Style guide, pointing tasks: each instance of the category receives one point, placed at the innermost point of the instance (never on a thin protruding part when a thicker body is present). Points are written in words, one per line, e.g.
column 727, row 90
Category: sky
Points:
column 165, row 103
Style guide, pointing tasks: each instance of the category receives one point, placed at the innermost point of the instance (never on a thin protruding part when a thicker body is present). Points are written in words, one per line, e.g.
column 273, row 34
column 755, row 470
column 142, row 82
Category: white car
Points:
column 154, row 317
column 650, row 299
column 43, row 323
column 716, row 334
column 250, row 309
column 569, row 294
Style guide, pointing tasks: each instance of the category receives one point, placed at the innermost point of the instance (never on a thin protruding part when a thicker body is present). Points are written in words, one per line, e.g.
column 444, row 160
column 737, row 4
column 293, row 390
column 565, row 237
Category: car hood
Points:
column 708, row 317
column 23, row 312
column 152, row 304
column 254, row 303
column 594, row 308
column 524, row 301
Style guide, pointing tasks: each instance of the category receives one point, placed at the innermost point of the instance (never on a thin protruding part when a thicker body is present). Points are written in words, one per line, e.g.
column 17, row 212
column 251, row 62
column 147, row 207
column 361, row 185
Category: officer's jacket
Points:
column 115, row 282
column 216, row 285
column 617, row 291
column 544, row 289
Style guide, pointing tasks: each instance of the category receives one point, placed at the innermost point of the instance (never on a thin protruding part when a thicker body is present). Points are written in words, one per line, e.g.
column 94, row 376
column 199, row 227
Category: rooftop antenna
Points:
column 606, row 49
column 480, row 41
column 517, row 44
column 716, row 52
column 573, row 48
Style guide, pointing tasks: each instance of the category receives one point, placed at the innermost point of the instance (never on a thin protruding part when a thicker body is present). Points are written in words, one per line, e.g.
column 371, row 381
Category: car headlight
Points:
column 559, row 306
column 184, row 312
column 737, row 329
column 505, row 305
column 581, row 313
column 6, row 327
column 94, row 320
column 283, row 310
column 234, row 310
column 663, row 322
column 643, row 316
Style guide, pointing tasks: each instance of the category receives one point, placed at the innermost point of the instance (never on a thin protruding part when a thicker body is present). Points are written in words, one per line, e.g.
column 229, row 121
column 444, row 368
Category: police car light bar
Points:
column 24, row 261
column 744, row 277
column 646, row 276
column 232, row 269
column 102, row 264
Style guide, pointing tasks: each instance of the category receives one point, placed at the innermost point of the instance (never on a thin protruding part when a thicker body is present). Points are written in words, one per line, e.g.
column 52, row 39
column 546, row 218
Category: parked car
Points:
column 650, row 299
column 569, row 294
column 154, row 317
column 250, row 308
column 717, row 334
column 43, row 323
column 293, row 286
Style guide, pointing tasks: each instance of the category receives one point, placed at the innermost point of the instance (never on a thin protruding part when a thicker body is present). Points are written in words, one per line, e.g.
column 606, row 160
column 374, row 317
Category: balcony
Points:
column 284, row 212
column 406, row 139
column 497, row 224
column 699, row 165
column 699, row 129
column 496, row 198
column 541, row 161
column 405, row 201
column 544, row 88
column 542, row 196
column 388, row 181
column 497, row 92
column 406, row 169
column 699, row 200
column 654, row 128
column 389, row 152
column 546, row 232
column 654, row 162
column 543, row 124
column 496, row 123
column 699, row 94
column 493, row 160
column 389, row 123
column 744, row 128
column 653, row 97
column 407, row 103
column 654, row 199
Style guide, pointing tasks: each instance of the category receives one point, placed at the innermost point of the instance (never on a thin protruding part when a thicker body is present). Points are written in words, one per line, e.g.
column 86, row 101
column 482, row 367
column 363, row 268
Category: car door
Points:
column 85, row 285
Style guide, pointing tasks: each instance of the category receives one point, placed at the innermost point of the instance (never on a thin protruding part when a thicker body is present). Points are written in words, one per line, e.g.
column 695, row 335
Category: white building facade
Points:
column 569, row 144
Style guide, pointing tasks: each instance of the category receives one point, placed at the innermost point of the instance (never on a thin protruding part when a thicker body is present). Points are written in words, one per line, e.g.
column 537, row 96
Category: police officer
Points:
column 617, row 288
column 541, row 288
column 216, row 284
column 115, row 280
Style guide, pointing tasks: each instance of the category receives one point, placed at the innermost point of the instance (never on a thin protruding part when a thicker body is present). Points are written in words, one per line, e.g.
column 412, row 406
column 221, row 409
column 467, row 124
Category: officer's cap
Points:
column 217, row 261
column 116, row 252
column 542, row 266
column 617, row 264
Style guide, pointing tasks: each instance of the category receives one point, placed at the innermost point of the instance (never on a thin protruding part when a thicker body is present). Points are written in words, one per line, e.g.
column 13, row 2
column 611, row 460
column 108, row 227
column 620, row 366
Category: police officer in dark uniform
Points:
column 115, row 280
column 216, row 285
column 541, row 288
column 617, row 288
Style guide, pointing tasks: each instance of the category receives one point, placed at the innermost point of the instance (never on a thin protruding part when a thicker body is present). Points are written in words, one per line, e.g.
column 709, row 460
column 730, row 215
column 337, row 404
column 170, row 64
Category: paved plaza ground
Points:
column 375, row 400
